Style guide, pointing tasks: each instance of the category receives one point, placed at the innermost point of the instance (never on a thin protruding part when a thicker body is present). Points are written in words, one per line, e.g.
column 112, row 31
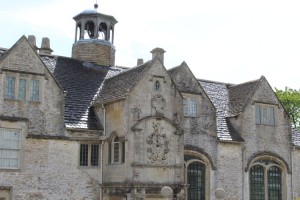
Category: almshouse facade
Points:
column 83, row 128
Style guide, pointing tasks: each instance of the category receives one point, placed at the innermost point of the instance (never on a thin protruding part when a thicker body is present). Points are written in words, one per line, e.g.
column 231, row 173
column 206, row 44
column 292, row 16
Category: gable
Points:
column 22, row 58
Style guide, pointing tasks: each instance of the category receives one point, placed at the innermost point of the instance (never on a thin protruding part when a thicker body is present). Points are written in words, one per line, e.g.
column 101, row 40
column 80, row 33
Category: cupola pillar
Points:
column 94, row 37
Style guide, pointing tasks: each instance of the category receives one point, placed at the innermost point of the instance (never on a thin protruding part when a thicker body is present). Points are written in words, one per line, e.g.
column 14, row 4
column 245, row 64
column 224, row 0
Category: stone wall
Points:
column 97, row 51
column 50, row 171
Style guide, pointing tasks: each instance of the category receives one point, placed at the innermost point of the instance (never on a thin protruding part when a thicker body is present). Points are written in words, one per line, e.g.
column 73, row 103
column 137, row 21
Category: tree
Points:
column 290, row 99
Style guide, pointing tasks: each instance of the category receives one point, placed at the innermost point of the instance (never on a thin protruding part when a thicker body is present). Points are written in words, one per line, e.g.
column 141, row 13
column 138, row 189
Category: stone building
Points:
column 83, row 128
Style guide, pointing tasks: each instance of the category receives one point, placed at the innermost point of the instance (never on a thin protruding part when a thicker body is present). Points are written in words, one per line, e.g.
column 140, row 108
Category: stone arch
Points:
column 178, row 131
column 103, row 31
column 90, row 27
column 202, row 161
column 270, row 156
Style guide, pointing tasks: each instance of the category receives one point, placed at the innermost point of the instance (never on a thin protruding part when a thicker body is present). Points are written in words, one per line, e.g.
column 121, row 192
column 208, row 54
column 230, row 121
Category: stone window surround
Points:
column 111, row 141
column 22, row 126
column 204, row 160
column 280, row 164
column 89, row 143
column 28, row 77
column 267, row 107
column 190, row 107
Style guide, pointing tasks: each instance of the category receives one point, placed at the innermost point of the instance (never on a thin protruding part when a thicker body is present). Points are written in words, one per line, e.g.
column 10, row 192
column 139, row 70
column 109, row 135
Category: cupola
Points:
column 94, row 37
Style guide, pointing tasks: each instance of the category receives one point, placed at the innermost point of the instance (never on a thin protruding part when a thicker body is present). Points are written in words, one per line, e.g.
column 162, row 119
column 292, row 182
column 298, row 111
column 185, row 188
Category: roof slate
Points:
column 239, row 94
column 81, row 81
column 219, row 95
column 2, row 51
column 116, row 87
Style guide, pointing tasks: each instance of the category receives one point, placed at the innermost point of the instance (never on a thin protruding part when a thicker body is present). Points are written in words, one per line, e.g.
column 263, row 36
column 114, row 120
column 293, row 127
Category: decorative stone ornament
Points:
column 166, row 191
column 158, row 103
column 158, row 145
column 136, row 113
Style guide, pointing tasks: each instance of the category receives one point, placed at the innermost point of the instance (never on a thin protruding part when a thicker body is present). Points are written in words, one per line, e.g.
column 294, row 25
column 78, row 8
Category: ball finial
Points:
column 95, row 5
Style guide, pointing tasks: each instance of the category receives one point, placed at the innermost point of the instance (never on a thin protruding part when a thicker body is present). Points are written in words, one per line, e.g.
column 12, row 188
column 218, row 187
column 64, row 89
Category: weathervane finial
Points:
column 96, row 5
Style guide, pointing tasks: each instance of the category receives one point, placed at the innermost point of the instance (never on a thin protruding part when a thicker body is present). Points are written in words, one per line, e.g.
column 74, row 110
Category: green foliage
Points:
column 290, row 99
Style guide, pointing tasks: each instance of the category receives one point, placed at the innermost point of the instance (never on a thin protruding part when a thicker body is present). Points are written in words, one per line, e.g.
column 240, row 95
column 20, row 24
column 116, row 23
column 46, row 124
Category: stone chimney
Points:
column 45, row 47
column 32, row 41
column 158, row 52
column 140, row 61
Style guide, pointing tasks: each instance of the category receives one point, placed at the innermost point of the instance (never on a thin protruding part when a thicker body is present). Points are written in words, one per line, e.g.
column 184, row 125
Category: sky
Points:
column 232, row 41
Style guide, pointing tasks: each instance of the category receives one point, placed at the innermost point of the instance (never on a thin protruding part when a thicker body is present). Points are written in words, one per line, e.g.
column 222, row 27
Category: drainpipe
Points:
column 243, row 170
column 101, row 169
column 104, row 120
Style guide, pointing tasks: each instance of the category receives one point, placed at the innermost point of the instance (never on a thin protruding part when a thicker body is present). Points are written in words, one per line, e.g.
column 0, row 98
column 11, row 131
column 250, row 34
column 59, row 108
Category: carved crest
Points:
column 158, row 145
column 158, row 103
column 136, row 113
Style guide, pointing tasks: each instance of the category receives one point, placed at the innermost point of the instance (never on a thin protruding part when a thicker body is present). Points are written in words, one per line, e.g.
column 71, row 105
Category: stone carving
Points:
column 176, row 118
column 194, row 126
column 158, row 145
column 136, row 113
column 158, row 103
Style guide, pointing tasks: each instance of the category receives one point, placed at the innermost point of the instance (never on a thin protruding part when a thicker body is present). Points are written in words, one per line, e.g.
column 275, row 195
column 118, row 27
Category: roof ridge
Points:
column 219, row 82
column 129, row 70
column 236, row 85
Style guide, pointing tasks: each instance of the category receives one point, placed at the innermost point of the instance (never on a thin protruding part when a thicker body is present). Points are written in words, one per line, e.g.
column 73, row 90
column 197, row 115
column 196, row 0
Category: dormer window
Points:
column 189, row 107
column 264, row 115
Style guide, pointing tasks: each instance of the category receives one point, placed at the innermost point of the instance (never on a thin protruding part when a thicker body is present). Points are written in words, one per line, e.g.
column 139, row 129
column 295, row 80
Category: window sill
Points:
column 18, row 100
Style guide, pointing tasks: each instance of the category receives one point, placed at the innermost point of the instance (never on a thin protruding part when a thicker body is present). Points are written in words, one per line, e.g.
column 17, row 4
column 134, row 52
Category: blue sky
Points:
column 230, row 41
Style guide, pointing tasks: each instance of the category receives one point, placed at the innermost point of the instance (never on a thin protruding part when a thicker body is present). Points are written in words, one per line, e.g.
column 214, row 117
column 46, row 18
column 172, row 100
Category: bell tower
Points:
column 94, row 37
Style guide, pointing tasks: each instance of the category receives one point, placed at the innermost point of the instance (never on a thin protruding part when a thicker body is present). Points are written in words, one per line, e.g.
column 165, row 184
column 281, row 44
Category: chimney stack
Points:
column 158, row 52
column 45, row 47
column 32, row 41
column 140, row 61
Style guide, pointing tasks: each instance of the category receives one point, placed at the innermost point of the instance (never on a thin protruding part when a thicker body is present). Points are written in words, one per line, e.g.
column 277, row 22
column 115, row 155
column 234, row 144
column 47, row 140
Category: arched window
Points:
column 265, row 180
column 196, row 181
column 197, row 176
column 90, row 29
column 116, row 150
column 116, row 146
column 157, row 86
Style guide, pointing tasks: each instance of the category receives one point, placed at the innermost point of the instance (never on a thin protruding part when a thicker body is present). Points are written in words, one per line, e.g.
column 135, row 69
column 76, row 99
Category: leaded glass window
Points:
column 10, row 143
column 193, row 108
column 257, row 114
column 95, row 155
column 185, row 107
column 116, row 149
column 35, row 95
column 265, row 181
column 264, row 115
column 272, row 118
column 84, row 154
column 22, row 89
column 274, row 183
column 196, row 181
column 10, row 87
column 257, row 190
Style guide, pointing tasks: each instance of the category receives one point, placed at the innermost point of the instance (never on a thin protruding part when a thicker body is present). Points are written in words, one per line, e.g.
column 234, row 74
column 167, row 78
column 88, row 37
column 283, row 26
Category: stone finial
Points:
column 45, row 47
column 158, row 52
column 32, row 41
column 140, row 61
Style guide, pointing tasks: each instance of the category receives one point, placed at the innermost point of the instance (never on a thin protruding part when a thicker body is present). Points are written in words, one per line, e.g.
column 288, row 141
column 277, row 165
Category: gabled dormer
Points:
column 29, row 90
column 199, row 112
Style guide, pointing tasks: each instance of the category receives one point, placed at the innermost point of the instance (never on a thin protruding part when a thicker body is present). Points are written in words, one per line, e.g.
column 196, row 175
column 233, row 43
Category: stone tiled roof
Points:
column 219, row 95
column 81, row 81
column 295, row 137
column 239, row 94
column 2, row 51
column 116, row 87
column 229, row 100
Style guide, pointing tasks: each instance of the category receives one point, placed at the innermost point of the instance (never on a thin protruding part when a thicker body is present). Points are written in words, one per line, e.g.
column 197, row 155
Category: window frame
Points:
column 265, row 115
column 88, row 163
column 26, row 90
column 11, row 149
column 190, row 107
column 266, row 178
column 120, row 157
